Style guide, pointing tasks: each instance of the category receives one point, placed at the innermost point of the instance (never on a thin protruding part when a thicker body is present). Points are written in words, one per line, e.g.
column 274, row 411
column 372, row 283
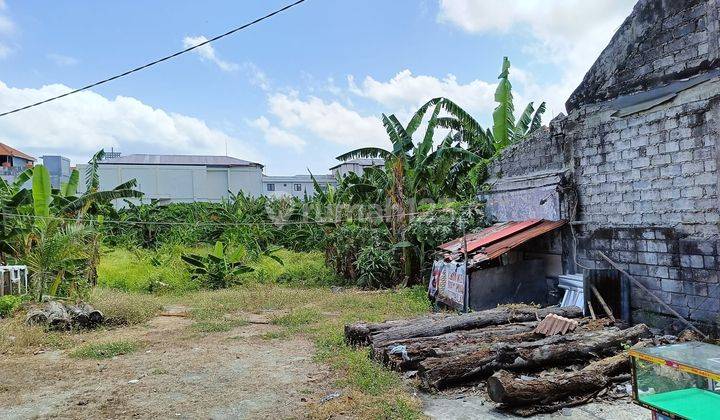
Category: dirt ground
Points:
column 178, row 373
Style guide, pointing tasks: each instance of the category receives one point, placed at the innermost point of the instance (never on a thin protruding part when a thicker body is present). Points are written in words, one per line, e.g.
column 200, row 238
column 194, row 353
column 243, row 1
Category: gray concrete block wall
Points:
column 539, row 152
column 660, row 41
column 654, row 168
column 643, row 188
column 681, row 271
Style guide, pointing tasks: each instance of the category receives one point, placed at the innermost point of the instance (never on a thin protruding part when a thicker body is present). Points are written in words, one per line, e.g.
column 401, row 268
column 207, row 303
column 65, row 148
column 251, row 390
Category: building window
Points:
column 298, row 187
column 271, row 187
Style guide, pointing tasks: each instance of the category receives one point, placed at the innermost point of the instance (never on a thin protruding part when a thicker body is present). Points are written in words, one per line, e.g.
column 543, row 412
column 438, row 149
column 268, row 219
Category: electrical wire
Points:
column 160, row 223
column 158, row 61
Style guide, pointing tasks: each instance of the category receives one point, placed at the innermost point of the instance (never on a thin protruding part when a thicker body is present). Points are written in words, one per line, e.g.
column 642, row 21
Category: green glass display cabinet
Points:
column 679, row 381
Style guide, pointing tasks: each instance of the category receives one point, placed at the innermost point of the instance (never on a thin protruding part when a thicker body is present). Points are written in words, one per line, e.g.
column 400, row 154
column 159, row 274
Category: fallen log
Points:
column 415, row 350
column 567, row 349
column 55, row 315
column 358, row 334
column 501, row 315
column 58, row 317
column 479, row 363
column 504, row 388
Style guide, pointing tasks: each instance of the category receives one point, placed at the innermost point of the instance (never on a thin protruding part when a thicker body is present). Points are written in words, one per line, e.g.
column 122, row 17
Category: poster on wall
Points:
column 447, row 283
column 434, row 282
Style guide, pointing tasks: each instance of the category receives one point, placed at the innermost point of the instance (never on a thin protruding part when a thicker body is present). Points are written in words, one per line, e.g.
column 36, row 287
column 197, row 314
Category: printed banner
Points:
column 447, row 283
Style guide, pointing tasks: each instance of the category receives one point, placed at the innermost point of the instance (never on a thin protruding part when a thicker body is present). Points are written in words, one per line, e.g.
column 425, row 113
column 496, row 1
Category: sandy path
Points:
column 179, row 373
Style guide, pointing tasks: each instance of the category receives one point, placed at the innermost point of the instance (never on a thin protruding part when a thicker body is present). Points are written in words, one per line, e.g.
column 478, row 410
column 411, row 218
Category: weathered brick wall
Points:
column 653, row 168
column 538, row 153
column 645, row 185
column 660, row 41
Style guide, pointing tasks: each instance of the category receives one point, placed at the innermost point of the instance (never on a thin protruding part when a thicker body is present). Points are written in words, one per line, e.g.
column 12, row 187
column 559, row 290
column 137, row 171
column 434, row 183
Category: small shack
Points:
column 498, row 265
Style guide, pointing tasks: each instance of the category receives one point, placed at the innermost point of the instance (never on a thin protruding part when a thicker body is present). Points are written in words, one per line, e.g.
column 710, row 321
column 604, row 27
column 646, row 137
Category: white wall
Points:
column 179, row 183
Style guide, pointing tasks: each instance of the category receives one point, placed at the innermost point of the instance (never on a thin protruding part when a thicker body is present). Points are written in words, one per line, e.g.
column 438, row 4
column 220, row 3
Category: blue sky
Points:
column 292, row 92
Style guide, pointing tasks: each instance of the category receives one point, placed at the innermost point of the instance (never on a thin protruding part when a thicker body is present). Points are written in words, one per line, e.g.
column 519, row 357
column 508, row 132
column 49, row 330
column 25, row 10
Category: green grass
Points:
column 134, row 272
column 218, row 326
column 125, row 308
column 298, row 317
column 298, row 269
column 105, row 350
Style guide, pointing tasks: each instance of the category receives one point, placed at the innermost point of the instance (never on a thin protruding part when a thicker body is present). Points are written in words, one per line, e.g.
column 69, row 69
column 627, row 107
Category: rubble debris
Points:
column 556, row 324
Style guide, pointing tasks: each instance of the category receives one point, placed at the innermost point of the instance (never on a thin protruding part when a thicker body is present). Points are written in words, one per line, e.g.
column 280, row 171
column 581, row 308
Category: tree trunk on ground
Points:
column 478, row 363
column 505, row 388
column 358, row 334
column 418, row 349
column 58, row 316
column 501, row 315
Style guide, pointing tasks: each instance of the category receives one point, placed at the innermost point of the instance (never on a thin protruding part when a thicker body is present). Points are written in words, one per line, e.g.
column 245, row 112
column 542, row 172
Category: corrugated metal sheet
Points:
column 189, row 160
column 500, row 238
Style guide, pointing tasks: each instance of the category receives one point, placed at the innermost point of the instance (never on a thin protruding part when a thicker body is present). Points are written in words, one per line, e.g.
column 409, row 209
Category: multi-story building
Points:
column 298, row 186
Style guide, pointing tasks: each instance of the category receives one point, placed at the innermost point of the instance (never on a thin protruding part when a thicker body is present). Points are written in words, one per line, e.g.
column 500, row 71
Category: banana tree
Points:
column 218, row 269
column 412, row 173
column 487, row 143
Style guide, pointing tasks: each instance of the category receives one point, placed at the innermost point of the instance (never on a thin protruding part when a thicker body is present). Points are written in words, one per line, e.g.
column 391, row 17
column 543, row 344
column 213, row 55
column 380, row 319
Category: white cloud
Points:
column 257, row 76
column 207, row 52
column 568, row 33
column 277, row 136
column 80, row 124
column 327, row 120
column 405, row 92
column 62, row 60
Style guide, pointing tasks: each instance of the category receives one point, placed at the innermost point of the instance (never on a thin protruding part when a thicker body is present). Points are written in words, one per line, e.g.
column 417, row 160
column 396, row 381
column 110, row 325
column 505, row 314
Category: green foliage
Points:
column 41, row 191
column 297, row 269
column 105, row 350
column 160, row 271
column 217, row 269
column 9, row 304
column 377, row 267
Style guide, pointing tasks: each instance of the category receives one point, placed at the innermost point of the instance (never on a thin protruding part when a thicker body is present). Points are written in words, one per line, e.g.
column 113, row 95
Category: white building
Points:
column 181, row 178
column 294, row 185
column 355, row 165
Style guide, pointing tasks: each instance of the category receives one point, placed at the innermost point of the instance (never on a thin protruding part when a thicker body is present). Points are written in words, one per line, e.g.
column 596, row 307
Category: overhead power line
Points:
column 158, row 61
column 322, row 221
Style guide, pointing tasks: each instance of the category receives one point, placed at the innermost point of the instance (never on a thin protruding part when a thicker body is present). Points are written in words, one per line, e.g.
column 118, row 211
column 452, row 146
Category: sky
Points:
column 292, row 92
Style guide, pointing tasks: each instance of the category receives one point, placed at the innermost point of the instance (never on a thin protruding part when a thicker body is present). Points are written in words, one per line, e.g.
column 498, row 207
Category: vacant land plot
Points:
column 250, row 352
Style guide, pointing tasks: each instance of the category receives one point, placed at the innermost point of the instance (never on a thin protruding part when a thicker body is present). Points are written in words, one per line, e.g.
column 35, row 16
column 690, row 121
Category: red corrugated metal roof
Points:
column 500, row 238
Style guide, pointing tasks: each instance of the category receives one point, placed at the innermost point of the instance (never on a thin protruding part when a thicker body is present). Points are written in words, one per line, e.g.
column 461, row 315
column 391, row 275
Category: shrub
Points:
column 125, row 308
column 9, row 304
column 218, row 269
column 377, row 267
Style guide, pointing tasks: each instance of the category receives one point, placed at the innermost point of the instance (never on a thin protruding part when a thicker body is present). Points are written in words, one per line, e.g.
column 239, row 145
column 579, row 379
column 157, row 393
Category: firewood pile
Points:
column 529, row 367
